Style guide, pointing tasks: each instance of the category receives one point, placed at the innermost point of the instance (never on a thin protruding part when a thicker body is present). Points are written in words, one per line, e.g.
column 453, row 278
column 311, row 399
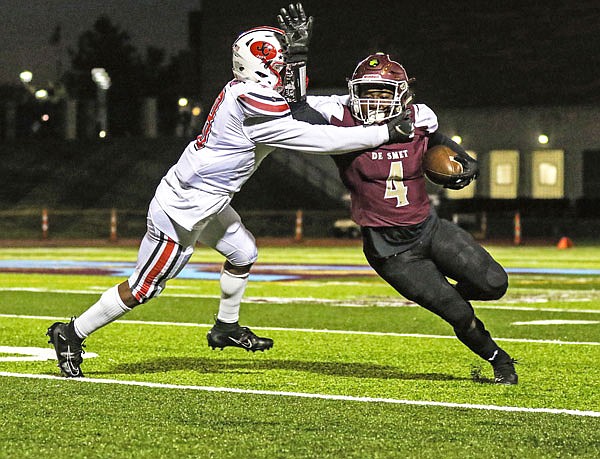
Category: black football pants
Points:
column 420, row 275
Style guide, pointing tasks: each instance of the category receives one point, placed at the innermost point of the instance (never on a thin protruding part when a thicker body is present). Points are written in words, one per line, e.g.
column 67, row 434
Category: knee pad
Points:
column 238, row 246
column 497, row 282
column 490, row 284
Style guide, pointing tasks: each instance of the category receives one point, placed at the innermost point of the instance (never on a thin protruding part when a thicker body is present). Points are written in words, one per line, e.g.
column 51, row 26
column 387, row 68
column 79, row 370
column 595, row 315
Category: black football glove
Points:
column 470, row 172
column 401, row 128
column 297, row 31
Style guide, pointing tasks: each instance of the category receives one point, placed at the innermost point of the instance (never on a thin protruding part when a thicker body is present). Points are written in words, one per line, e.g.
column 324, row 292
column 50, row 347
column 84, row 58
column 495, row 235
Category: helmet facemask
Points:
column 374, row 102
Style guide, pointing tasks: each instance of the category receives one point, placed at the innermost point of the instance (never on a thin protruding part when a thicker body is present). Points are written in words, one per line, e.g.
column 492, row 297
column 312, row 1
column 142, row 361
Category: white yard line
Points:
column 345, row 398
column 313, row 330
column 558, row 322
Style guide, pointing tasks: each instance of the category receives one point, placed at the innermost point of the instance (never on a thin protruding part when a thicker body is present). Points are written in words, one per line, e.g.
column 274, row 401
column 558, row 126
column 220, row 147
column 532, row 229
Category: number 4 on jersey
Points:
column 394, row 186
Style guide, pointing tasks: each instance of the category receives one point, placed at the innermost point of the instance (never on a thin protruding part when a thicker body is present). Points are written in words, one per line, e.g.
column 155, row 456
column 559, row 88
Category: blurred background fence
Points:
column 117, row 225
column 113, row 224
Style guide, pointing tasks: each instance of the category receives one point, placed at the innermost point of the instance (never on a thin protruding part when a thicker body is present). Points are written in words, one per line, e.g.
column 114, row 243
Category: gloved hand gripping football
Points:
column 470, row 172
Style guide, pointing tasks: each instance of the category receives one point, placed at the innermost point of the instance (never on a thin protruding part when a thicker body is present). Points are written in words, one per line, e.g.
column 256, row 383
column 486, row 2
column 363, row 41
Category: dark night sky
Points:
column 462, row 53
column 27, row 25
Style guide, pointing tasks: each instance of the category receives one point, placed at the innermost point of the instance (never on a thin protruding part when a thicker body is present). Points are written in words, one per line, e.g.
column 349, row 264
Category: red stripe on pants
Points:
column 156, row 269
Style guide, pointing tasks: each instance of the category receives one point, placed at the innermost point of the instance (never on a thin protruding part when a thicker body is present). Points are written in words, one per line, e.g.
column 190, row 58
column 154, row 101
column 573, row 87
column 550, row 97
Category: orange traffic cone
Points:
column 564, row 243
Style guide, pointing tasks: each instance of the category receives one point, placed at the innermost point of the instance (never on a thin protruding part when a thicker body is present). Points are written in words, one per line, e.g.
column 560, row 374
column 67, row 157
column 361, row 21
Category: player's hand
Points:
column 470, row 172
column 297, row 29
column 401, row 129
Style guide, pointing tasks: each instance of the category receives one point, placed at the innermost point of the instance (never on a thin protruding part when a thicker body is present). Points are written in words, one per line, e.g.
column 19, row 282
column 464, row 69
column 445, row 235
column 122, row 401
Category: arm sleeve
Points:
column 301, row 111
column 329, row 106
column 297, row 135
column 425, row 118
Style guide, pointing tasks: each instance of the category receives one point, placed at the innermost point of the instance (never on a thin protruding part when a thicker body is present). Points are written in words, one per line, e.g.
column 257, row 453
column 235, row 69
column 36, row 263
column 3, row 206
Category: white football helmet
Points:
column 379, row 72
column 258, row 56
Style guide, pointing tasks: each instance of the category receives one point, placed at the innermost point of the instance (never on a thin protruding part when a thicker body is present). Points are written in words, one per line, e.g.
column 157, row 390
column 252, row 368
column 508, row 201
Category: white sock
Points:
column 106, row 310
column 232, row 290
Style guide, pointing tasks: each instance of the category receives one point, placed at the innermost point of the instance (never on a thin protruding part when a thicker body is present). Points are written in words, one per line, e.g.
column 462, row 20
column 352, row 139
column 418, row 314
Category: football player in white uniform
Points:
column 248, row 120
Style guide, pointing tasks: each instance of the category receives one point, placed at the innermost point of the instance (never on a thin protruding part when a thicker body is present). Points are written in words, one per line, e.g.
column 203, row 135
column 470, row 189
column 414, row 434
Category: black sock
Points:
column 479, row 341
column 499, row 357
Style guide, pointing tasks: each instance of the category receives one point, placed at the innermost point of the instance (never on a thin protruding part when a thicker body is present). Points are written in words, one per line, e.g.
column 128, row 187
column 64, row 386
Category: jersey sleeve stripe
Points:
column 265, row 107
column 271, row 99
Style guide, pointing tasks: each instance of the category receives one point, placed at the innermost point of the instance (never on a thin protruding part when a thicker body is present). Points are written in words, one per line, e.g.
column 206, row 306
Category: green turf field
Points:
column 356, row 371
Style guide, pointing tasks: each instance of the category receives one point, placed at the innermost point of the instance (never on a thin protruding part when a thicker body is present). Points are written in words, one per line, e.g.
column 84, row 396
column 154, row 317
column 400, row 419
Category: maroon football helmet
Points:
column 384, row 76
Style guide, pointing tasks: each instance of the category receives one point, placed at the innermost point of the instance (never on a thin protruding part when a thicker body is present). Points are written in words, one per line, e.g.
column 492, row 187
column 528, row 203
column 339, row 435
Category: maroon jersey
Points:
column 386, row 184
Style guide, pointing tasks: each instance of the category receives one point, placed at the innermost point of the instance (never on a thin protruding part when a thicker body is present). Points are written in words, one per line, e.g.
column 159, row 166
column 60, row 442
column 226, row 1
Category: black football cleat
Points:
column 223, row 335
column 68, row 347
column 504, row 372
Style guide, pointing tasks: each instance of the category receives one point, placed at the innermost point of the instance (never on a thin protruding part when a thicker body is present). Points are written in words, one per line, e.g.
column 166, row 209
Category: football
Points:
column 440, row 166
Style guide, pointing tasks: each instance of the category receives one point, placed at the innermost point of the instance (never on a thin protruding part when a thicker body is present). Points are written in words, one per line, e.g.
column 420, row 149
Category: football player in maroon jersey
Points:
column 404, row 240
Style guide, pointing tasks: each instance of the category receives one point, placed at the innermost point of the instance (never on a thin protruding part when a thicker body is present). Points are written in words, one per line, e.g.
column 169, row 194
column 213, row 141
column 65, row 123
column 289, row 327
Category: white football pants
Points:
column 167, row 247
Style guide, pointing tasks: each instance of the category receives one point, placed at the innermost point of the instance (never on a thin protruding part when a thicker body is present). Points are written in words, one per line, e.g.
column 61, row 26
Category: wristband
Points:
column 294, row 82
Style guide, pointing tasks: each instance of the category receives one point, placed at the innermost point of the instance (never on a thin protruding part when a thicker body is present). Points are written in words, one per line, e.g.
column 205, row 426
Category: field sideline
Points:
column 356, row 371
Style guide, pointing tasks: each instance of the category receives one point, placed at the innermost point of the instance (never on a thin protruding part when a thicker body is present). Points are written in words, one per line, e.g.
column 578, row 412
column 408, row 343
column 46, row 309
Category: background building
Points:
column 516, row 81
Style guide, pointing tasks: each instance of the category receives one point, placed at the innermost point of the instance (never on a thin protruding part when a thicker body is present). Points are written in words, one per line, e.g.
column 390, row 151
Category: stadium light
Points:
column 101, row 78
column 26, row 76
column 41, row 94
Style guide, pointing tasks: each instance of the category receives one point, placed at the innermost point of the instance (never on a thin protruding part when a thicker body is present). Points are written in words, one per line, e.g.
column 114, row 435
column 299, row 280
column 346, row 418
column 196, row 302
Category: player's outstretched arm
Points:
column 297, row 135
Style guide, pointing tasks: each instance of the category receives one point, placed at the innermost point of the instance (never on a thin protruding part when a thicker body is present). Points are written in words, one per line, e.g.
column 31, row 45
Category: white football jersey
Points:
column 246, row 122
